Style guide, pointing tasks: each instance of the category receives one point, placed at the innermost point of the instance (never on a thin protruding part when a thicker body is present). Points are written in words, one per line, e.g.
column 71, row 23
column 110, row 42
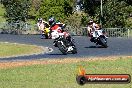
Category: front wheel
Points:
column 62, row 48
column 103, row 42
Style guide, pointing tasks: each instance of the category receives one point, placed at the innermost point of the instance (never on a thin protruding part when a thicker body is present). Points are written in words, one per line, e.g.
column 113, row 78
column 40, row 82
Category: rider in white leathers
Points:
column 92, row 26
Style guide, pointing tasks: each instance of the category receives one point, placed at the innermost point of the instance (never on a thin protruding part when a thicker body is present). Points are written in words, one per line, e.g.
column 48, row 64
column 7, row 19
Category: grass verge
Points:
column 12, row 49
column 60, row 74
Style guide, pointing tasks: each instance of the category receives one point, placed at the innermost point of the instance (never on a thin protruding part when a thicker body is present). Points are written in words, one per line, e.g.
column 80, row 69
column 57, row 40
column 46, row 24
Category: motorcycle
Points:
column 65, row 45
column 98, row 37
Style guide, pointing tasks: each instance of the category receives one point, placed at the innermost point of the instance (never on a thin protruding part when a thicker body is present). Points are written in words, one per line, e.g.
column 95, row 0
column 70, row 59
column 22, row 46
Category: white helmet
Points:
column 91, row 21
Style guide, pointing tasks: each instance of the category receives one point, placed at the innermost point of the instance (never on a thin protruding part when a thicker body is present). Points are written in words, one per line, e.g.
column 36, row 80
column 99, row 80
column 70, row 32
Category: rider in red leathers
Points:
column 59, row 27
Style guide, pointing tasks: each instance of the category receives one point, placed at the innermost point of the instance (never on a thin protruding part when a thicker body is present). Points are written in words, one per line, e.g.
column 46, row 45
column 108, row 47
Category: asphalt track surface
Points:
column 117, row 47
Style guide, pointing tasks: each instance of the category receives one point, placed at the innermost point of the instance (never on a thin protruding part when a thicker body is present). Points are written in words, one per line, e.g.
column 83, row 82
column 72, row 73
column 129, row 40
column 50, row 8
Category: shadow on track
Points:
column 56, row 54
column 34, row 57
column 95, row 47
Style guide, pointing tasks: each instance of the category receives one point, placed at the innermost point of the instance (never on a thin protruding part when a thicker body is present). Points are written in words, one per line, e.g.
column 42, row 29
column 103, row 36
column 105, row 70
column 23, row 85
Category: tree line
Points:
column 116, row 13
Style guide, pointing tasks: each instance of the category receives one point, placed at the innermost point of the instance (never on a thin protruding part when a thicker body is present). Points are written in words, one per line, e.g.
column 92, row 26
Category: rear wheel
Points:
column 46, row 36
column 74, row 51
column 62, row 48
column 71, row 44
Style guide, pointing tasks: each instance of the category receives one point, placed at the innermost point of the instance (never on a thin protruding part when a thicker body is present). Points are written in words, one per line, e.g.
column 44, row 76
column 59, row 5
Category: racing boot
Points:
column 54, row 43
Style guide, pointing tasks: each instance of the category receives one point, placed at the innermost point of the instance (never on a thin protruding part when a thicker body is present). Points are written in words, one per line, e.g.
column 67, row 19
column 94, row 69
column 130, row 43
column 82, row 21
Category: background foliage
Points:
column 116, row 13
column 58, row 8
column 16, row 10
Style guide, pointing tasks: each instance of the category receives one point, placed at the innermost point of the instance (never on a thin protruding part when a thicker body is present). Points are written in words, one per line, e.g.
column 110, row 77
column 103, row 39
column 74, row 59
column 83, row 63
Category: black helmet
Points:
column 40, row 19
column 51, row 20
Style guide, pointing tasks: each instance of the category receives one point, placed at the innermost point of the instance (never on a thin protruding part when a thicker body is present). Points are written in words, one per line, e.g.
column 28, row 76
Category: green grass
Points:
column 10, row 49
column 63, row 75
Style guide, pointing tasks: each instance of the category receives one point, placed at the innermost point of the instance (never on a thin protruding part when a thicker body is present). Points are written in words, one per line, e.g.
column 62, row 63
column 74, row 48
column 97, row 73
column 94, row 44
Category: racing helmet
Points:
column 51, row 20
column 91, row 22
column 40, row 19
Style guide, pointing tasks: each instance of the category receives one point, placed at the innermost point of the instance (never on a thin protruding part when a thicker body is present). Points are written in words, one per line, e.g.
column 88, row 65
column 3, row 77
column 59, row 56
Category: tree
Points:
column 115, row 12
column 58, row 8
column 90, row 6
column 16, row 10
column 34, row 8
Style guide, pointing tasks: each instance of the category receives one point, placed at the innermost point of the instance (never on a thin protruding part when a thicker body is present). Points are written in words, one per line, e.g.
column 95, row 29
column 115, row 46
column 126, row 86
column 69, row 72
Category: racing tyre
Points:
column 74, row 51
column 46, row 36
column 62, row 48
column 103, row 42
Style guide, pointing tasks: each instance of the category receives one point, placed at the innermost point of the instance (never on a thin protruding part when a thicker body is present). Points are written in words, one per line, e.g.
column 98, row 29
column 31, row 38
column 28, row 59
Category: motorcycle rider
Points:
column 41, row 26
column 59, row 27
column 54, row 25
column 92, row 26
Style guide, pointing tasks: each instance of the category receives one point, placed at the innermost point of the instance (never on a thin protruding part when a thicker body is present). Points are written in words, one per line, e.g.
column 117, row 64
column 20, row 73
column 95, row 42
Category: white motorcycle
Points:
column 65, row 45
column 99, row 38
